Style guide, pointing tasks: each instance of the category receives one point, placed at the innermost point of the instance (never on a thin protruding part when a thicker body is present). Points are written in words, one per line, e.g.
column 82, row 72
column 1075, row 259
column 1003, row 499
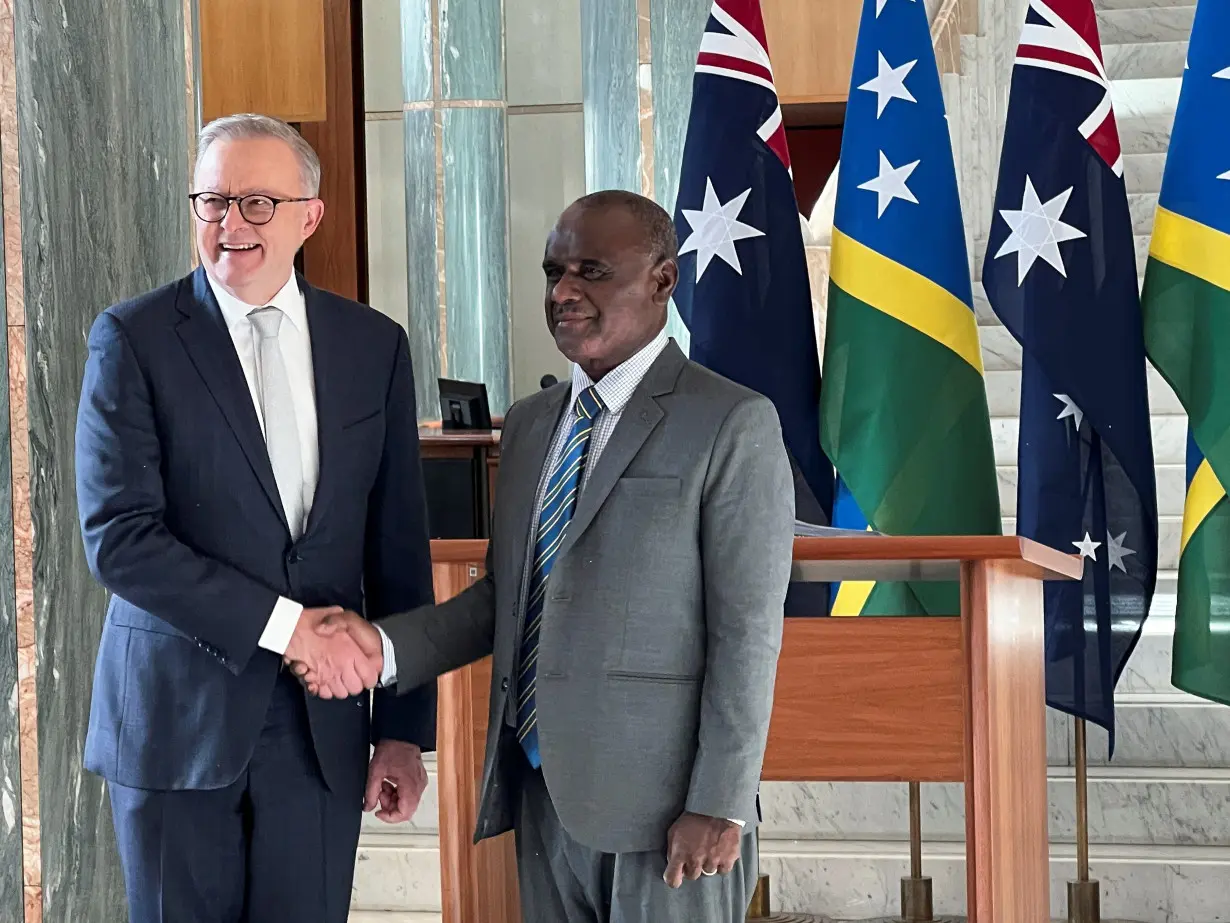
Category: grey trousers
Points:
column 562, row 881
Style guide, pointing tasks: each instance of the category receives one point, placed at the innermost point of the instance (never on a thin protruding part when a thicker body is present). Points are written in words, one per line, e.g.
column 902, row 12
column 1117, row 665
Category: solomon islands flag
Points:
column 903, row 404
column 1187, row 333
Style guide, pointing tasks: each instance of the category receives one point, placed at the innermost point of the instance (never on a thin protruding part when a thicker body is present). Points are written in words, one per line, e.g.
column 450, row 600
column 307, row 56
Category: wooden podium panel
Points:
column 932, row 699
column 477, row 881
column 845, row 709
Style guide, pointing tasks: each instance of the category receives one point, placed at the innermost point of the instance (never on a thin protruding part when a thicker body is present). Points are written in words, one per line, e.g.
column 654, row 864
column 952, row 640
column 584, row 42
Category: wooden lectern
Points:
column 939, row 699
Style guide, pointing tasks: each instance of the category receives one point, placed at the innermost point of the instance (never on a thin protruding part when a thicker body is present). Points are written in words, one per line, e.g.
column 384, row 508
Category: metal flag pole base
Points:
column 1084, row 895
column 916, row 900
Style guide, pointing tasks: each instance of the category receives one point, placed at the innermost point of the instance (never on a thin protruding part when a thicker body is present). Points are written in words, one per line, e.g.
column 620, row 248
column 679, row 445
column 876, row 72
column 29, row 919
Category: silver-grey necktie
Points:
column 278, row 411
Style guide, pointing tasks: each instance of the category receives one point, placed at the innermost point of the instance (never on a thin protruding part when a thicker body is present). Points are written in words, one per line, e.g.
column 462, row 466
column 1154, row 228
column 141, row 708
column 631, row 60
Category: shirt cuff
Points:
column 388, row 674
column 733, row 821
column 281, row 625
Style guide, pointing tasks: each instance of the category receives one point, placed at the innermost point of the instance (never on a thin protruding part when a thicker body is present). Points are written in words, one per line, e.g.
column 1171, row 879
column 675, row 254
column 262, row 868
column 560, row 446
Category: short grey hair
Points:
column 247, row 126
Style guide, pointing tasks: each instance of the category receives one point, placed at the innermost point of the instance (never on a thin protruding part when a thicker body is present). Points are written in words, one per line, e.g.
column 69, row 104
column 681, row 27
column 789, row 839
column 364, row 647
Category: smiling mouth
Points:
column 238, row 248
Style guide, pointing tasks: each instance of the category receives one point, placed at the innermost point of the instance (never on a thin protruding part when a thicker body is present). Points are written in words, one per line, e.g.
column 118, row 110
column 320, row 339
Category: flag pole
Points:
column 916, row 905
column 1084, row 896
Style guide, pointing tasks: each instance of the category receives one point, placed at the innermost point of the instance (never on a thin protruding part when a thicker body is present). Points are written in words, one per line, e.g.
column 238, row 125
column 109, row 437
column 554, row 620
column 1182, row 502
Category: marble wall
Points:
column 474, row 146
column 85, row 225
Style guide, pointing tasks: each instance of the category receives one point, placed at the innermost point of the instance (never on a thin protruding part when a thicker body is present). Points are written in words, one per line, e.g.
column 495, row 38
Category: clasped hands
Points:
column 335, row 653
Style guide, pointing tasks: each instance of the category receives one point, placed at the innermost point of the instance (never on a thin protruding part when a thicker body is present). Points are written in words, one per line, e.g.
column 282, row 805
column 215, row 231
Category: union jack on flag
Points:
column 1060, row 272
column 743, row 286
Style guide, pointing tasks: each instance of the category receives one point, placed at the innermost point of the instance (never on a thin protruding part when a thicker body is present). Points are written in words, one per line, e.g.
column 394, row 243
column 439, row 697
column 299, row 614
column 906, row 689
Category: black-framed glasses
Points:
column 256, row 209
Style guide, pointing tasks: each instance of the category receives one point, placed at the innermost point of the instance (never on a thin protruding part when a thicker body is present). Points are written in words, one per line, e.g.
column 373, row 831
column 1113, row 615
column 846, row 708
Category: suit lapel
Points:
column 526, row 467
column 639, row 418
column 210, row 348
column 329, row 369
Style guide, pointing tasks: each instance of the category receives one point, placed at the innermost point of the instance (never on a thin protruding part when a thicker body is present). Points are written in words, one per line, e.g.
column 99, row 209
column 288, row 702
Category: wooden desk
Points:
column 954, row 698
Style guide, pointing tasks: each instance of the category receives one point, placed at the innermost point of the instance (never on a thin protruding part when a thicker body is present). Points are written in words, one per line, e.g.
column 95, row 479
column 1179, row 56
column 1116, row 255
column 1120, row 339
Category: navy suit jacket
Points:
column 183, row 524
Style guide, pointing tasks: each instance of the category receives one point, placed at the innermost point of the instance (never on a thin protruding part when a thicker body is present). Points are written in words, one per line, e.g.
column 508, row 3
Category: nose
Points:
column 233, row 220
column 566, row 290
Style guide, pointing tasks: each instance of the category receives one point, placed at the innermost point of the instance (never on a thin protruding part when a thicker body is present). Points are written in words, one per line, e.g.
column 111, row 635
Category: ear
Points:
column 313, row 214
column 666, row 277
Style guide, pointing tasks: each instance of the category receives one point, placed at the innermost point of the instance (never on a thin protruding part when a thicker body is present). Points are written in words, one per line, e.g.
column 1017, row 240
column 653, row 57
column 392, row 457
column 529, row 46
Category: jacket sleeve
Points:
column 435, row 639
column 121, row 505
column 747, row 538
column 397, row 569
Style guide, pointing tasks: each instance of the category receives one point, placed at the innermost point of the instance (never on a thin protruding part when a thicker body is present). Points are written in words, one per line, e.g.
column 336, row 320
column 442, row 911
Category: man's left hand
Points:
column 698, row 845
column 396, row 780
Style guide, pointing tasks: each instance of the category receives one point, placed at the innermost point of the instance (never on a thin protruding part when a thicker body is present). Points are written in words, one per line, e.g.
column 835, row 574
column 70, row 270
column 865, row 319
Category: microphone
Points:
column 547, row 381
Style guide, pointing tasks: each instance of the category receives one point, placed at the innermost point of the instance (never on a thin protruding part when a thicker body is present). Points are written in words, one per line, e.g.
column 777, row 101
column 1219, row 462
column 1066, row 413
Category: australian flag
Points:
column 1060, row 272
column 743, row 288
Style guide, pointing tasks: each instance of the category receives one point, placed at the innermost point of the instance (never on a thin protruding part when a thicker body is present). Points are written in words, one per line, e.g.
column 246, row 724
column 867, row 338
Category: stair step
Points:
column 397, row 871
column 858, row 881
column 1136, row 60
column 1126, row 807
column 1138, row 4
column 1143, row 172
column 1144, row 112
column 1146, row 26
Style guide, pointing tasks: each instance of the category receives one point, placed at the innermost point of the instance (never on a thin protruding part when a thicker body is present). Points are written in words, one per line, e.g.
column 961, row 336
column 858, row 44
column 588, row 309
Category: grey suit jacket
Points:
column 661, row 631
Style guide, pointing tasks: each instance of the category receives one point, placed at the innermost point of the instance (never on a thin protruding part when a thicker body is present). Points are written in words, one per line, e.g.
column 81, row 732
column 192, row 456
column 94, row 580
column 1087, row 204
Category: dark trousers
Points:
column 276, row 846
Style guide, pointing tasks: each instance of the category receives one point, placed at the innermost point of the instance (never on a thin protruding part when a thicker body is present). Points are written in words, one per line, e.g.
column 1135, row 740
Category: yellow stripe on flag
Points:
column 905, row 295
column 1203, row 494
column 851, row 597
column 1188, row 245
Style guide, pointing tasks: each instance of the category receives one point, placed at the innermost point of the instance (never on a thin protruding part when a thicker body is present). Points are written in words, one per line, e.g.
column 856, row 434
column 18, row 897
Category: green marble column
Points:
column 100, row 159
column 455, row 115
column 638, row 57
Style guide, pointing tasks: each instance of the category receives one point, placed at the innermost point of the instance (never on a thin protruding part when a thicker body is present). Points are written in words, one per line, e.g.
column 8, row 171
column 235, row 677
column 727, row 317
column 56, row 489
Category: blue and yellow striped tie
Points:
column 558, row 503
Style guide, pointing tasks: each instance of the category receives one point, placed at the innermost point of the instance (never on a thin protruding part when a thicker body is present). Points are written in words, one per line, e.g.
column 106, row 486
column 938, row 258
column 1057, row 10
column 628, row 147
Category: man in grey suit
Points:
column 633, row 601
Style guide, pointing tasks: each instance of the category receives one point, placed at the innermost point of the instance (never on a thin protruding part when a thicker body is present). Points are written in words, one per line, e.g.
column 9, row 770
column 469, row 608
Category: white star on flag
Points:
column 890, row 183
column 1225, row 175
column 1116, row 552
column 1088, row 548
column 889, row 84
column 880, row 6
column 715, row 228
column 1223, row 74
column 1037, row 231
column 1070, row 410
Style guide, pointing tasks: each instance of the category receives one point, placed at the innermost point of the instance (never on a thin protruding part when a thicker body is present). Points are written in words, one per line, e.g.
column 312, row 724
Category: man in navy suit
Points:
column 247, row 461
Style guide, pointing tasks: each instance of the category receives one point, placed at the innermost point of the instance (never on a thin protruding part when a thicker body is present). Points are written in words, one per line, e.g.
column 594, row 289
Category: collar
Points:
column 289, row 299
column 616, row 386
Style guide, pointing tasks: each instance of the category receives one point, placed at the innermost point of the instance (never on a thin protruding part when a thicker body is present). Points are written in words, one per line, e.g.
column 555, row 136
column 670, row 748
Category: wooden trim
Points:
column 1006, row 844
column 477, row 881
column 335, row 257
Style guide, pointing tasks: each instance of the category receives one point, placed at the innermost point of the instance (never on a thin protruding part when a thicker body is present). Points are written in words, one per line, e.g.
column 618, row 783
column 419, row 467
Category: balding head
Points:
column 658, row 228
column 610, row 271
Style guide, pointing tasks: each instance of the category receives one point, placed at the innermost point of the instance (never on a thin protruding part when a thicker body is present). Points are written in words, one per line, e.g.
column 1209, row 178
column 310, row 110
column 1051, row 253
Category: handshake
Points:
column 335, row 653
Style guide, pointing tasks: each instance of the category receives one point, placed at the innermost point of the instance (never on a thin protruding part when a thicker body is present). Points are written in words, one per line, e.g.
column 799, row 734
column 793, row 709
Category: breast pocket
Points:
column 363, row 446
column 655, row 533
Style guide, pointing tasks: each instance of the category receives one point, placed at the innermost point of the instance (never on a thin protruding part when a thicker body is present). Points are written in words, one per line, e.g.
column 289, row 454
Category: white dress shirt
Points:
column 295, row 342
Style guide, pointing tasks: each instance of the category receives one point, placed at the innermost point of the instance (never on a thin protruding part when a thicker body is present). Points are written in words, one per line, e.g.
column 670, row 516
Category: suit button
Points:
column 295, row 557
column 504, row 684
